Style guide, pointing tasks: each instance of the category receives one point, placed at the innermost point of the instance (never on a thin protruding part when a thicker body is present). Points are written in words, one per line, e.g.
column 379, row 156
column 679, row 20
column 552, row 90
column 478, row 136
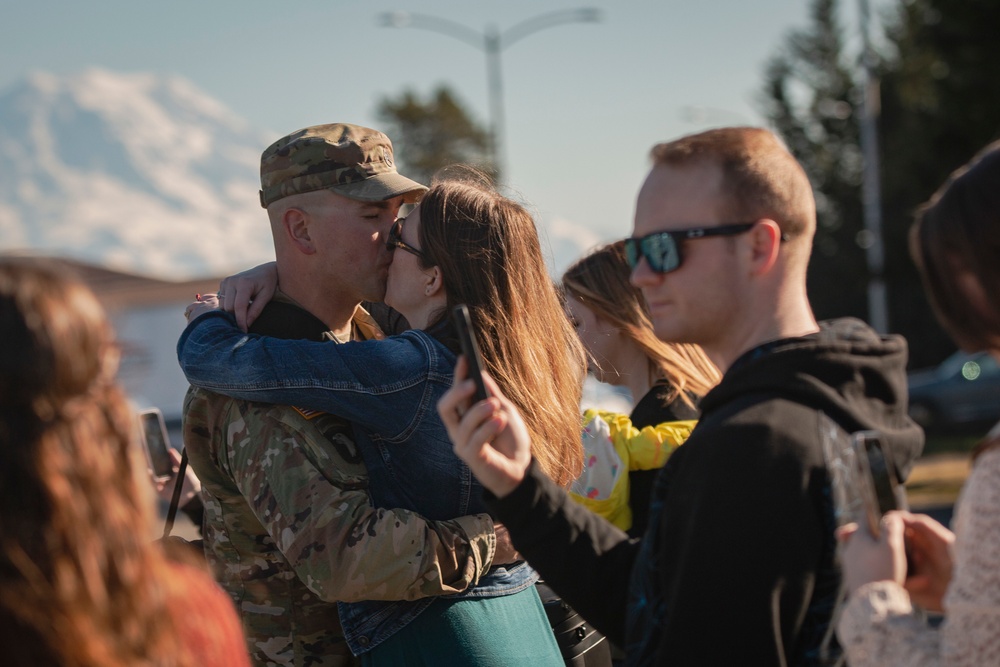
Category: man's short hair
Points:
column 350, row 160
column 760, row 178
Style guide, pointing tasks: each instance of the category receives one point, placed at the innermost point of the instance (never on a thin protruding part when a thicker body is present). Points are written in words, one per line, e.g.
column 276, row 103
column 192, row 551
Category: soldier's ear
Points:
column 295, row 223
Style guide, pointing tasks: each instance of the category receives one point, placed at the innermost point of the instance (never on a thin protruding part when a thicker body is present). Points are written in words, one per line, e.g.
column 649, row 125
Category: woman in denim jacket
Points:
column 464, row 243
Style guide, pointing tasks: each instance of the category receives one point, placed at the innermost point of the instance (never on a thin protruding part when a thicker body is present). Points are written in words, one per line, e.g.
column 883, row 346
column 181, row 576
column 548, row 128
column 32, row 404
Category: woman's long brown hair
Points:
column 600, row 280
column 79, row 575
column 487, row 248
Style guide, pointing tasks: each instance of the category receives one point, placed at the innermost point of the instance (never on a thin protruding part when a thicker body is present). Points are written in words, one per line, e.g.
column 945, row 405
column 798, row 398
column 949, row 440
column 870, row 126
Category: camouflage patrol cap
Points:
column 350, row 160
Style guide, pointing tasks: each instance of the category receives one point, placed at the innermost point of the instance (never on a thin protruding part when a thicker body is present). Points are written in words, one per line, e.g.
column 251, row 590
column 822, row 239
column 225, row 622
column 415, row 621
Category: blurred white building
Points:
column 148, row 315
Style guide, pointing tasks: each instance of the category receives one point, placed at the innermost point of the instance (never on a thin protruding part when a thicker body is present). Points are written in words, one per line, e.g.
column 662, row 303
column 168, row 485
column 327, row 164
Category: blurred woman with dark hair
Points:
column 464, row 243
column 665, row 379
column 81, row 582
column 955, row 244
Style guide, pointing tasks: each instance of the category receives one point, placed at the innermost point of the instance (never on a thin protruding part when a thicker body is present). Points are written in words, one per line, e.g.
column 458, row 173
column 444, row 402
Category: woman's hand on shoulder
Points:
column 202, row 304
column 246, row 293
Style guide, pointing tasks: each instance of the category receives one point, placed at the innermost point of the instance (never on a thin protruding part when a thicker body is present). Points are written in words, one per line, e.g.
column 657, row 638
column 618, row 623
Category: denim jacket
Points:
column 388, row 390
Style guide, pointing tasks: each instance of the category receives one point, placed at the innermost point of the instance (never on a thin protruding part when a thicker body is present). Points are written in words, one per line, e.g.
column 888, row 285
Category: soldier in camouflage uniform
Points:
column 288, row 523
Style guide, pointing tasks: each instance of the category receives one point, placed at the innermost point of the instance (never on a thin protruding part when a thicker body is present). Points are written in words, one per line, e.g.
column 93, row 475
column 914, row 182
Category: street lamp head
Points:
column 589, row 14
column 491, row 42
column 397, row 19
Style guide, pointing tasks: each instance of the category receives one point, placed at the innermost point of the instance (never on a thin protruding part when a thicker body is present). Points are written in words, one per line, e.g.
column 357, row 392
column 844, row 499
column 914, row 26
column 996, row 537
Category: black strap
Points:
column 176, row 499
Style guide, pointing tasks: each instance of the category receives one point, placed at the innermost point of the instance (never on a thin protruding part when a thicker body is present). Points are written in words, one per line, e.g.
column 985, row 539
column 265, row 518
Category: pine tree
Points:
column 940, row 99
column 429, row 136
column 810, row 100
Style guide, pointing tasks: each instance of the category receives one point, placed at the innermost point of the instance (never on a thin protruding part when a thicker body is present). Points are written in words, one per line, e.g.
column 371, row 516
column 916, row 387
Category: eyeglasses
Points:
column 395, row 240
column 662, row 250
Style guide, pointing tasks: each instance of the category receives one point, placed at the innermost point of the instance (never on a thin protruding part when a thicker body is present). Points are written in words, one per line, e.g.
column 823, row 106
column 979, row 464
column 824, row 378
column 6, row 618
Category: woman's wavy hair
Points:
column 78, row 571
column 955, row 243
column 600, row 281
column 487, row 248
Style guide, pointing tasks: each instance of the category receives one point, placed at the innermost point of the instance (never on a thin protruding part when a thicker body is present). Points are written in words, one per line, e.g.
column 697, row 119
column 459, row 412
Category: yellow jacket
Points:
column 612, row 447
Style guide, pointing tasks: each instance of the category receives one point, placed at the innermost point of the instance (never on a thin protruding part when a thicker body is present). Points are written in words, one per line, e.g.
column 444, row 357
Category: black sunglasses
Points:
column 662, row 250
column 395, row 240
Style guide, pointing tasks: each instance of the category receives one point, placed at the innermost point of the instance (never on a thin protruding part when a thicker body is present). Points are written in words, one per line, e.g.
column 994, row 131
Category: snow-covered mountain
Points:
column 138, row 172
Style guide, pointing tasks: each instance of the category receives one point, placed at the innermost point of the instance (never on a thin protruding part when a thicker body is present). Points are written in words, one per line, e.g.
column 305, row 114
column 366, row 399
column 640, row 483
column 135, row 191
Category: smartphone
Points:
column 878, row 488
column 470, row 349
column 156, row 442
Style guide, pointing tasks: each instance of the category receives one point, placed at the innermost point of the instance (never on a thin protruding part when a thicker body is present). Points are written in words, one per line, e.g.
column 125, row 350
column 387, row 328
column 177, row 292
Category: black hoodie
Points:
column 738, row 565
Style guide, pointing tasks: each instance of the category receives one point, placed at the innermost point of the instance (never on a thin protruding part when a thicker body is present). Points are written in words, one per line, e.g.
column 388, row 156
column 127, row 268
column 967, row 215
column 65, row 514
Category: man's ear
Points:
column 765, row 242
column 435, row 281
column 296, row 222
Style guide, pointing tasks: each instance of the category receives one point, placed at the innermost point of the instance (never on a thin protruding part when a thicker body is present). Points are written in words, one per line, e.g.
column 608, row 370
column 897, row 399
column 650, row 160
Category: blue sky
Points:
column 583, row 102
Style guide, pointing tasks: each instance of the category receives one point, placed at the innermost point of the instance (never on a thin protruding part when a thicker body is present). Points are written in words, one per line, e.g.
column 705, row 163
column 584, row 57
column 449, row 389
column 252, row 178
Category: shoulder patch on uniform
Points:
column 308, row 414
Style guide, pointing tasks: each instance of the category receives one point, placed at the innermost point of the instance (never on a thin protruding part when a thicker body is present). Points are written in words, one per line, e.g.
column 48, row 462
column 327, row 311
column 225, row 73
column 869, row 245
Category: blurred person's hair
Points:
column 600, row 281
column 79, row 574
column 955, row 243
column 760, row 179
column 487, row 248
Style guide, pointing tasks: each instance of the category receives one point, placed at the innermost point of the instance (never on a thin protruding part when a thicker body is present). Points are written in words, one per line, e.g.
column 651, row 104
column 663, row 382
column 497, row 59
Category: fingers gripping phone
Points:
column 156, row 443
column 862, row 477
column 878, row 487
column 470, row 349
column 863, row 486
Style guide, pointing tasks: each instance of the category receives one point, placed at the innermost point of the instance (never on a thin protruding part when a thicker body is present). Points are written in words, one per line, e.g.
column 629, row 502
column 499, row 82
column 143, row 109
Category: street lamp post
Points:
column 878, row 310
column 492, row 43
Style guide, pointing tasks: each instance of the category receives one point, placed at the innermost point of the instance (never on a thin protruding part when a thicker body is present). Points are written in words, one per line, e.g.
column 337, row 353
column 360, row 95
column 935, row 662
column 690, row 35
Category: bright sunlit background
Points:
column 583, row 102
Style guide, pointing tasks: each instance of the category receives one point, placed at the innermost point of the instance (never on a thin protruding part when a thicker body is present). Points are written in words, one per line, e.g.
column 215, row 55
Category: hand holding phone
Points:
column 878, row 487
column 930, row 561
column 156, row 443
column 470, row 349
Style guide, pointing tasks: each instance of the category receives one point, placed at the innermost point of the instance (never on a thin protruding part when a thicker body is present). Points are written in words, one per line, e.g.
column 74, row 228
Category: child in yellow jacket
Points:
column 612, row 448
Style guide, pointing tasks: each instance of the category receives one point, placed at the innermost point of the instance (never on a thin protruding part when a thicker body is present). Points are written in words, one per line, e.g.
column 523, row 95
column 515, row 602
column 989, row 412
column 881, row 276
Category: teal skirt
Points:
column 508, row 631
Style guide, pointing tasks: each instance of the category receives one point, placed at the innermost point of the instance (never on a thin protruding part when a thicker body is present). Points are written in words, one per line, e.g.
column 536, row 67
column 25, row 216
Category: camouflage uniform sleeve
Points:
column 307, row 486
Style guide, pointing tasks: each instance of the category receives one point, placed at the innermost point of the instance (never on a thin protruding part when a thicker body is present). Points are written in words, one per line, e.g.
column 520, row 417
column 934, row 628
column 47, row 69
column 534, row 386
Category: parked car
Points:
column 962, row 392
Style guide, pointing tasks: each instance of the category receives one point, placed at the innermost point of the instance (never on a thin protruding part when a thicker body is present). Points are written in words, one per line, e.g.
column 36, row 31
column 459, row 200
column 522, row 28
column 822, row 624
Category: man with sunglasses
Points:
column 738, row 565
column 288, row 524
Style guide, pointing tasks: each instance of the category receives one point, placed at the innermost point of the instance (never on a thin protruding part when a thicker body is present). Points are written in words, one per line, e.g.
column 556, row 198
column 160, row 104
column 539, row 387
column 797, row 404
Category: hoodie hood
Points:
column 848, row 370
